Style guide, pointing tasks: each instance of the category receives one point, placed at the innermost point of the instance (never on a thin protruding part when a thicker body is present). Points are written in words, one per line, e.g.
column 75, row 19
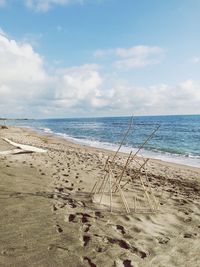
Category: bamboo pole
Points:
column 146, row 141
column 99, row 179
column 103, row 190
column 123, row 199
column 102, row 183
column 119, row 178
column 143, row 144
column 151, row 192
column 136, row 173
column 95, row 185
column 123, row 139
column 110, row 183
column 135, row 203
column 147, row 195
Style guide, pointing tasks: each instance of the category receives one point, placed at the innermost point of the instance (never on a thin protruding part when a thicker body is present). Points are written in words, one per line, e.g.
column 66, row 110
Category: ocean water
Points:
column 177, row 140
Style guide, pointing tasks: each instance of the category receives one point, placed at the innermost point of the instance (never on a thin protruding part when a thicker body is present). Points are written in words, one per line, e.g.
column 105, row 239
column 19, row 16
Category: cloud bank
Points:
column 44, row 5
column 27, row 89
column 133, row 57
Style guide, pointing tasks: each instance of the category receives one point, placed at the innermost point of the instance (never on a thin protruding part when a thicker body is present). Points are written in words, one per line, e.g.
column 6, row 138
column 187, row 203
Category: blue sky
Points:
column 99, row 57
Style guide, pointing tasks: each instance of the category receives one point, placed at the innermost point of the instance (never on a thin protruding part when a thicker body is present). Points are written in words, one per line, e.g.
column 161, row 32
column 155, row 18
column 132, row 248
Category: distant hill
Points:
column 6, row 119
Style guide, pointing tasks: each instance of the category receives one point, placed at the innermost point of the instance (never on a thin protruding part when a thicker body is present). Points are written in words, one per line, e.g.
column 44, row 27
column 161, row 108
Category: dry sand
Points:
column 48, row 219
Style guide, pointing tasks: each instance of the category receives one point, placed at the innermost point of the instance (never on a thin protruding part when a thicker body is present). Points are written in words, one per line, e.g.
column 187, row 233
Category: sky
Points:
column 86, row 58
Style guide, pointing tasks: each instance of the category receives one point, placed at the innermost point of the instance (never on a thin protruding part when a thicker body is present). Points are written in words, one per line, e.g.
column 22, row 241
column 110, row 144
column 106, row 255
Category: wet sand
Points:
column 48, row 218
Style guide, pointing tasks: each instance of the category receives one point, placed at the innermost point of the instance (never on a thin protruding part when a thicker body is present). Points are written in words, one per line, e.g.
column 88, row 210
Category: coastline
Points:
column 153, row 156
column 48, row 218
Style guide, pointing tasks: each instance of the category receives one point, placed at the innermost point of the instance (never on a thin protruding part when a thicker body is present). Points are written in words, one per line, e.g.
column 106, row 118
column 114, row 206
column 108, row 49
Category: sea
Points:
column 177, row 139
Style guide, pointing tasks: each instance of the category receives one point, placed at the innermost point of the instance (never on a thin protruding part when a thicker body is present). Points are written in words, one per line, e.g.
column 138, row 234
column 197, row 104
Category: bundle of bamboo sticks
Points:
column 113, row 184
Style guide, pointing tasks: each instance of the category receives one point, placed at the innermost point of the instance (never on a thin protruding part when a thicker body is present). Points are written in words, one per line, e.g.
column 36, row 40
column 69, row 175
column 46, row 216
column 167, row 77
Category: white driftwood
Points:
column 25, row 147
column 9, row 152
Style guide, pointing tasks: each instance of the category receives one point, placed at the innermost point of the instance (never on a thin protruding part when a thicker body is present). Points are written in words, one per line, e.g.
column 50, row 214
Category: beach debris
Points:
column 20, row 148
column 4, row 125
column 123, row 189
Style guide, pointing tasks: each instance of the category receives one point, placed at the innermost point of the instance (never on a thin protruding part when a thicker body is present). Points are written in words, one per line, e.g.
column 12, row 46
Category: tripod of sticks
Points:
column 113, row 184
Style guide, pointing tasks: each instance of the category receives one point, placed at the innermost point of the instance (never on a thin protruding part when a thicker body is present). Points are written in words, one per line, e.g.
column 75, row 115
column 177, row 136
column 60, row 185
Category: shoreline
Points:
column 48, row 217
column 172, row 159
column 176, row 151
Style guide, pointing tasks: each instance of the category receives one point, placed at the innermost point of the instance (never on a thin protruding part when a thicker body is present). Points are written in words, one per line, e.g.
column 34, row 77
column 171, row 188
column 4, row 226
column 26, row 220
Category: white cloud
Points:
column 45, row 5
column 104, row 52
column 135, row 62
column 133, row 57
column 138, row 51
column 23, row 78
column 28, row 90
column 76, row 85
column 196, row 60
column 2, row 3
column 2, row 32
column 124, row 98
column 19, row 61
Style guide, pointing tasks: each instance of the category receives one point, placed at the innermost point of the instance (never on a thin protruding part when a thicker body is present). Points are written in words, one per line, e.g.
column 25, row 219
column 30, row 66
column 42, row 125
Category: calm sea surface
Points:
column 177, row 140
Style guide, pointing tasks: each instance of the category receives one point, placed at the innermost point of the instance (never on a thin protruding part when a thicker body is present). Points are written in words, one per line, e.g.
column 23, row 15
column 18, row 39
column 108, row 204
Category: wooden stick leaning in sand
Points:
column 152, row 207
column 135, row 203
column 123, row 139
column 123, row 199
column 156, row 204
column 95, row 186
column 119, row 178
column 147, row 195
column 143, row 144
column 115, row 183
column 107, row 161
column 103, row 190
column 110, row 186
column 99, row 180
column 136, row 173
column 103, row 181
column 121, row 143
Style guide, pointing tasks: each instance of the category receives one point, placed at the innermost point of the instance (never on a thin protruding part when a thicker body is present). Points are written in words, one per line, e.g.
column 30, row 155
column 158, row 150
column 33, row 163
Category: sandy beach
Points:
column 49, row 220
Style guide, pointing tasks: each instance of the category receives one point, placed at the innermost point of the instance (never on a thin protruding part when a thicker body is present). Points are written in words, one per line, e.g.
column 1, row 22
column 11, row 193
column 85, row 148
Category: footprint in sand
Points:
column 121, row 229
column 91, row 264
column 98, row 214
column 127, row 263
column 125, row 245
column 163, row 240
column 72, row 218
column 86, row 227
column 13, row 251
column 86, row 239
column 54, row 208
column 189, row 235
column 58, row 228
column 69, row 188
